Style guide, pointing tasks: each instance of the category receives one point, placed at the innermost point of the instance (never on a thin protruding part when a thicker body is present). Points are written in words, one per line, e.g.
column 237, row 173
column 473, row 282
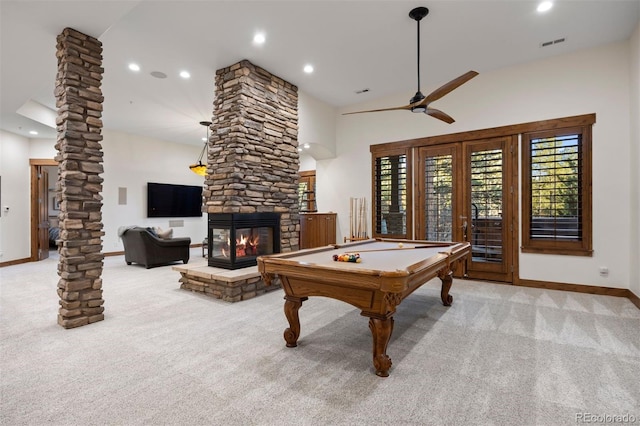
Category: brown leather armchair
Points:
column 143, row 247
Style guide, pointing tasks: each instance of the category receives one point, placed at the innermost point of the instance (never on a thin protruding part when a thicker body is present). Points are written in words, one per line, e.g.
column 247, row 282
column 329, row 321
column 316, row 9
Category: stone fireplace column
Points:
column 79, row 102
column 253, row 160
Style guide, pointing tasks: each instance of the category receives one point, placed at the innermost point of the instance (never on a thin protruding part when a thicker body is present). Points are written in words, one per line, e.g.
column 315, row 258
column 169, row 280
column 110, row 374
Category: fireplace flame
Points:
column 245, row 246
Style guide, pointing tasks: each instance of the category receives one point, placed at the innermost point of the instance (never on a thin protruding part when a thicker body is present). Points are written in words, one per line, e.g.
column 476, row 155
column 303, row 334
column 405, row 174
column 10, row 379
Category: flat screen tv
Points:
column 168, row 200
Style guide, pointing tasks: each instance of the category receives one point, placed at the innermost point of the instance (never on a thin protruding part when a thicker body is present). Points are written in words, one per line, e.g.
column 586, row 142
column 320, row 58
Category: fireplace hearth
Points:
column 237, row 239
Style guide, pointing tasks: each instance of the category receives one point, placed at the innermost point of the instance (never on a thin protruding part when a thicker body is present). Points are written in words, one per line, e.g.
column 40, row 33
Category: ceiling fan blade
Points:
column 448, row 87
column 436, row 113
column 378, row 110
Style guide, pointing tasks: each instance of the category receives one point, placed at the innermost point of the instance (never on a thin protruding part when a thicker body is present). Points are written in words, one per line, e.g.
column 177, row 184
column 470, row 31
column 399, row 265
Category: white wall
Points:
column 42, row 148
column 592, row 81
column 307, row 162
column 14, row 224
column 316, row 127
column 129, row 162
column 634, row 160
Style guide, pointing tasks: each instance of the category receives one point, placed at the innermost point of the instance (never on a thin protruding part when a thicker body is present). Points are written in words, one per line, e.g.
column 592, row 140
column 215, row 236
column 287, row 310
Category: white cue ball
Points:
column 400, row 245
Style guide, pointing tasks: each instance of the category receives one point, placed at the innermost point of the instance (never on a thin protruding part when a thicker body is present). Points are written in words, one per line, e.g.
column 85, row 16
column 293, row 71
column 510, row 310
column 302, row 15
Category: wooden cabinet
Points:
column 317, row 229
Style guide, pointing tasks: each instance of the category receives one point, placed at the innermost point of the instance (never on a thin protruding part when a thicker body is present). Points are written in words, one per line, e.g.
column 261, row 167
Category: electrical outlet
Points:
column 604, row 271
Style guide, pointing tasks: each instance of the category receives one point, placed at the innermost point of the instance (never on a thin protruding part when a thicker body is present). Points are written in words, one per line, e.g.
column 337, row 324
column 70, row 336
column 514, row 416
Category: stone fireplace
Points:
column 252, row 168
column 253, row 159
column 235, row 240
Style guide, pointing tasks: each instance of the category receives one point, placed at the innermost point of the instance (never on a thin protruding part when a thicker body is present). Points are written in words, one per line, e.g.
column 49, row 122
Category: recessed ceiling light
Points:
column 134, row 67
column 545, row 6
column 33, row 132
column 259, row 38
column 299, row 149
column 308, row 69
column 306, row 146
column 185, row 74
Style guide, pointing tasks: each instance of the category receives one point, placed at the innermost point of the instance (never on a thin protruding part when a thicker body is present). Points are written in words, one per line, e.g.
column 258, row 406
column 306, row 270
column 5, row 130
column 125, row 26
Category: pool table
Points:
column 388, row 271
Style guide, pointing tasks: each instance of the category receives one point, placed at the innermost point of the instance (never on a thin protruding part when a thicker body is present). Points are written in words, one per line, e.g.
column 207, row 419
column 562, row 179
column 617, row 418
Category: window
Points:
column 438, row 196
column 391, row 194
column 307, row 192
column 556, row 191
column 487, row 203
column 471, row 199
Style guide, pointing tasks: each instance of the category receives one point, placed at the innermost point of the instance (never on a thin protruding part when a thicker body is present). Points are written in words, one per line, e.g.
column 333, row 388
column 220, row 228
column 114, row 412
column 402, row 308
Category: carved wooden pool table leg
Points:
column 291, row 307
column 381, row 330
column 446, row 276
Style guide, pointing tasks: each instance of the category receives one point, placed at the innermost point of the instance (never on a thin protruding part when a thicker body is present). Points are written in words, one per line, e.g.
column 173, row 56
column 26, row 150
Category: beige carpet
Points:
column 501, row 355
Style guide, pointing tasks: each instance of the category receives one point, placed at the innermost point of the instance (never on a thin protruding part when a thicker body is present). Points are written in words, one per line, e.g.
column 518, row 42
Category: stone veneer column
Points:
column 253, row 160
column 79, row 102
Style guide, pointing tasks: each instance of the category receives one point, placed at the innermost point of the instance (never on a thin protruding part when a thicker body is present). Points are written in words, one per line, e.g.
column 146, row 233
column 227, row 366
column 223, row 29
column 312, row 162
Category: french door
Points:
column 465, row 192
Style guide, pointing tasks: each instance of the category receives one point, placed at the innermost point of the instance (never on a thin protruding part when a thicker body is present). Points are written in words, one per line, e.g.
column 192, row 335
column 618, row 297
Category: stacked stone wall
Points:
column 229, row 291
column 79, row 155
column 253, row 159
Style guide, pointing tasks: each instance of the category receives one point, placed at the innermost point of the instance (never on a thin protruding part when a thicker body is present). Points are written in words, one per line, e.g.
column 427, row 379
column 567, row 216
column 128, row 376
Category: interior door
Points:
column 43, row 213
column 465, row 193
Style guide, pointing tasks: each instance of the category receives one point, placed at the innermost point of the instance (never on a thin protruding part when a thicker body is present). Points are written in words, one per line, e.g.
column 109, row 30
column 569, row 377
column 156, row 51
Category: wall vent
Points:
column 552, row 42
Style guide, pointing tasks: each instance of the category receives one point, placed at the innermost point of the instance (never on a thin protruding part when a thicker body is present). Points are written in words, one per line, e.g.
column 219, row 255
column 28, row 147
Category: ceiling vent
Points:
column 552, row 42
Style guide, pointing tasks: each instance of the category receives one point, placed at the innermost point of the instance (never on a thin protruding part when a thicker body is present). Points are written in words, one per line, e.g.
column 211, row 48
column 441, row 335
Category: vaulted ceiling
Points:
column 353, row 45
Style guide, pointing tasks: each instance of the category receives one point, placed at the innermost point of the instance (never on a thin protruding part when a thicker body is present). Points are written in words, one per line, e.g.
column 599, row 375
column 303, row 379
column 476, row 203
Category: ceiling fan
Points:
column 419, row 102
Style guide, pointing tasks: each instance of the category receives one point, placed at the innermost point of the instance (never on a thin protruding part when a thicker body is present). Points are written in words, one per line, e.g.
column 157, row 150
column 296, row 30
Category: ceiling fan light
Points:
column 421, row 108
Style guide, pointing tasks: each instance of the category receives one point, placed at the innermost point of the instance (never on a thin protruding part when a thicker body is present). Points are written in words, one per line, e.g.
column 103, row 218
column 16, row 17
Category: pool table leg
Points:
column 291, row 307
column 446, row 276
column 381, row 329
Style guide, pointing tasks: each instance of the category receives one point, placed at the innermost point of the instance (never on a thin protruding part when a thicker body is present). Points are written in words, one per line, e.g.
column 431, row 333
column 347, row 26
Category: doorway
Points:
column 41, row 206
column 466, row 192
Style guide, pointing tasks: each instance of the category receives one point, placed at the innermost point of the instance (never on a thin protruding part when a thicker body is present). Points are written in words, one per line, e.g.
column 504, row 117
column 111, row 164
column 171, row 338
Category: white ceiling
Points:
column 352, row 45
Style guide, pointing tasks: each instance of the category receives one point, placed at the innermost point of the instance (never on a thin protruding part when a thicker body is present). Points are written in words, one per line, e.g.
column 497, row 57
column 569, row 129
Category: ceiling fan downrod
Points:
column 417, row 14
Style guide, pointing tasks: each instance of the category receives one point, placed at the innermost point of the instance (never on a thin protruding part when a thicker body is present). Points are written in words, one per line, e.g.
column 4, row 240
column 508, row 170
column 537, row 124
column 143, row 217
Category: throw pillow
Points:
column 164, row 234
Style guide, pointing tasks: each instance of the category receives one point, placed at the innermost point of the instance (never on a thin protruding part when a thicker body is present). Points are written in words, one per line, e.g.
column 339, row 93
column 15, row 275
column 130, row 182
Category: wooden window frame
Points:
column 584, row 246
column 585, row 121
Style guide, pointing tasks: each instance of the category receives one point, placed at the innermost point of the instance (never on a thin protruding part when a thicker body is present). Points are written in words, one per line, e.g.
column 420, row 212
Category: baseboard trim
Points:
column 634, row 299
column 15, row 262
column 580, row 288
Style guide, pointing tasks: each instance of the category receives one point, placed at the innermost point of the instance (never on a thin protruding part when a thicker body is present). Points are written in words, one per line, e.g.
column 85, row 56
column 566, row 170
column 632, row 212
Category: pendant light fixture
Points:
column 199, row 168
